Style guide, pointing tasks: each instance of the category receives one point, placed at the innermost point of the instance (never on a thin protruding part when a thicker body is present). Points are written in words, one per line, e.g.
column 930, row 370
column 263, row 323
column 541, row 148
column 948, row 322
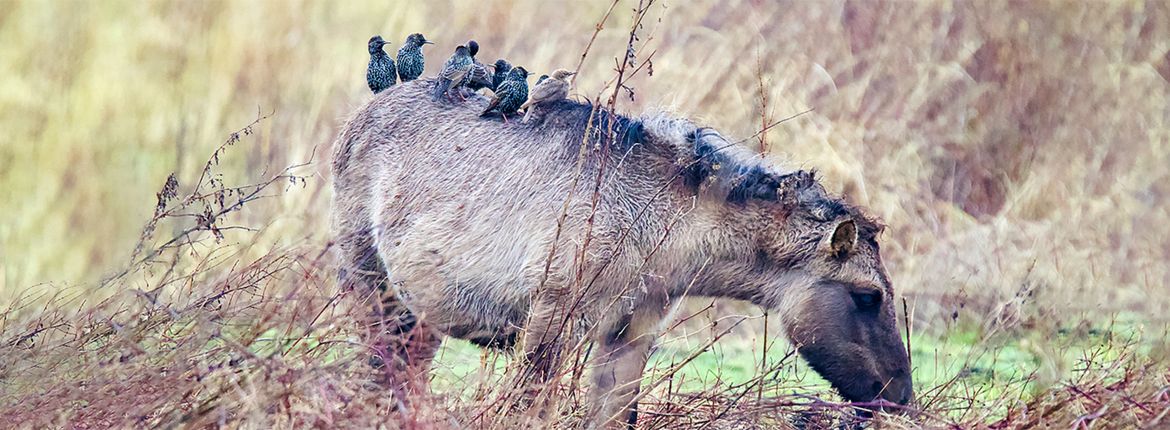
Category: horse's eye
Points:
column 867, row 299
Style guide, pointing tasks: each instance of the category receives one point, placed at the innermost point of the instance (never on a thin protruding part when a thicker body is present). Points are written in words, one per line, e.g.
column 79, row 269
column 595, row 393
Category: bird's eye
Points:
column 867, row 299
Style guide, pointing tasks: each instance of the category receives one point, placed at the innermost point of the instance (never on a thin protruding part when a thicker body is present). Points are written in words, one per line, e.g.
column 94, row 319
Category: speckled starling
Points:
column 410, row 57
column 510, row 94
column 501, row 73
column 454, row 71
column 380, row 74
column 541, row 79
column 479, row 76
column 550, row 90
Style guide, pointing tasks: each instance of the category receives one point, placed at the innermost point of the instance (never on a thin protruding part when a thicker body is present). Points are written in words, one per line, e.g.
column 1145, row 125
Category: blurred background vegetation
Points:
column 1017, row 150
column 1009, row 145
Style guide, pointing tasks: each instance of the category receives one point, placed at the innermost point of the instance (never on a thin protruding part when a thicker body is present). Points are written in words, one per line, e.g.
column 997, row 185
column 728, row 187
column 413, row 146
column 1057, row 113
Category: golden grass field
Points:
column 1018, row 151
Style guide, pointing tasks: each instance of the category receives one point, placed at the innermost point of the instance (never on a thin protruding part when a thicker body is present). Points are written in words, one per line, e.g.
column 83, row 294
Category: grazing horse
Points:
column 504, row 233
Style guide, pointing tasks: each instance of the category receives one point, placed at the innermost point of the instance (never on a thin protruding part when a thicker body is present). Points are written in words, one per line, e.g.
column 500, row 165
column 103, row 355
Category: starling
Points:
column 479, row 76
column 472, row 48
column 380, row 74
column 541, row 79
column 510, row 94
column 410, row 57
column 502, row 68
column 550, row 90
column 454, row 71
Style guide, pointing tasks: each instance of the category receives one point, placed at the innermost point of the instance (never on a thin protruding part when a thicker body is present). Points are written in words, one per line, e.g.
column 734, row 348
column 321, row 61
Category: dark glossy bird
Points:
column 380, row 74
column 479, row 76
column 454, row 72
column 548, row 91
column 410, row 57
column 501, row 73
column 472, row 48
column 510, row 94
column 541, row 79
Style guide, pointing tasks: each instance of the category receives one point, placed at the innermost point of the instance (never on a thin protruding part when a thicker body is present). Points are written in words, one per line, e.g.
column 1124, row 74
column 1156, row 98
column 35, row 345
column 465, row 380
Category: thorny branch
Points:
column 211, row 200
column 763, row 91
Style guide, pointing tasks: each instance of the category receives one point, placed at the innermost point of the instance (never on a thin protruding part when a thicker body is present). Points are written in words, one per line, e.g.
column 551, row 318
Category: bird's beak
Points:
column 428, row 43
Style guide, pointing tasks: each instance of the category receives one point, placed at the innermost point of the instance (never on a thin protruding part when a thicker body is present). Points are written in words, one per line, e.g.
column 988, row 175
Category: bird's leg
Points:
column 505, row 117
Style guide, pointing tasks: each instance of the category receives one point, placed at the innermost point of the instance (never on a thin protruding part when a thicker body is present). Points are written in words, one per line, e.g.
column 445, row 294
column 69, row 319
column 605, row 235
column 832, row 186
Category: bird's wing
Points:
column 455, row 75
column 549, row 90
column 455, row 71
column 540, row 93
column 510, row 87
column 480, row 74
column 561, row 90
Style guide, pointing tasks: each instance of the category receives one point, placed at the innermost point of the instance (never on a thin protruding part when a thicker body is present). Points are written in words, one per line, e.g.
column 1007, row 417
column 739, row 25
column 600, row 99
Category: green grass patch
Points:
column 982, row 368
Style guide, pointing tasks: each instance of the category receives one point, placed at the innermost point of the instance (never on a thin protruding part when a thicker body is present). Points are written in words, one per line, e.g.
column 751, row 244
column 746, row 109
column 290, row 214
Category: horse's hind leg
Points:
column 404, row 345
column 401, row 345
column 411, row 337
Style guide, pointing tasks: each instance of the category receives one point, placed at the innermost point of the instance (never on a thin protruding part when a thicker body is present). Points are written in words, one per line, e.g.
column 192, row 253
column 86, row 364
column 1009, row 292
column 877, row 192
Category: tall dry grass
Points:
column 1017, row 151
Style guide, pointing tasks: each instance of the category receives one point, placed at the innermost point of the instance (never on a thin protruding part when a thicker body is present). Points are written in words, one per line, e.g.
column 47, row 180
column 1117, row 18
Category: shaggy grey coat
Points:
column 486, row 231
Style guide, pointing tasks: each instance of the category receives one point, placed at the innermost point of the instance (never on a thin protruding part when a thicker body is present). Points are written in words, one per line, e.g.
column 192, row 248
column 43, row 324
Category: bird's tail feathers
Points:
column 441, row 87
column 491, row 106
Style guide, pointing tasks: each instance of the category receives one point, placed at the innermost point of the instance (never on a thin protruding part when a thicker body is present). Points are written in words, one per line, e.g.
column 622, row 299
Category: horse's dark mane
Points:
column 744, row 178
column 603, row 125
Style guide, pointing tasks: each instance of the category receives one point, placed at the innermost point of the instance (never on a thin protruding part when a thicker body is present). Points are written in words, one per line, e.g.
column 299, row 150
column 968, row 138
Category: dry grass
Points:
column 1016, row 149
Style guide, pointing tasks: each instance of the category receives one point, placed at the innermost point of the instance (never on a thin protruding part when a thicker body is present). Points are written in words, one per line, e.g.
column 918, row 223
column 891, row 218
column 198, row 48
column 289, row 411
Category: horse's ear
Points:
column 844, row 238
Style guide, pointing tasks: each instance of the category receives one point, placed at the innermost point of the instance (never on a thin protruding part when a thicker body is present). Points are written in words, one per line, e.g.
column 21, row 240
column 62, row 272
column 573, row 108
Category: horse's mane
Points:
column 705, row 159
